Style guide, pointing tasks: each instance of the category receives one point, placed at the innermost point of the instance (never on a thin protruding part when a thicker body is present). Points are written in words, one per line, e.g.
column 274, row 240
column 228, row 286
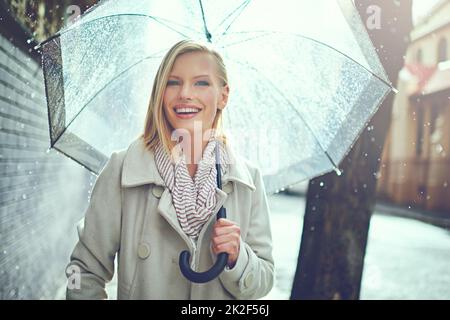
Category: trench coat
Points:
column 131, row 215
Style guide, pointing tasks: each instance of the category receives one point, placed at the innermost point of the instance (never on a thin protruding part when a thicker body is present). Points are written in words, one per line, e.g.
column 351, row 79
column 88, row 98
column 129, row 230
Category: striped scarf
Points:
column 194, row 199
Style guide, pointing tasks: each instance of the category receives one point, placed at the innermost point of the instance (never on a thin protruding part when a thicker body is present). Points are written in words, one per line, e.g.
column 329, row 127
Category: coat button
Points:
column 157, row 191
column 228, row 187
column 143, row 251
column 248, row 280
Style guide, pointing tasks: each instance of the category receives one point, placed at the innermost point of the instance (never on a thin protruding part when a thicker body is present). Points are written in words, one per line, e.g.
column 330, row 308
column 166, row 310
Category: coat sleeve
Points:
column 92, row 260
column 253, row 275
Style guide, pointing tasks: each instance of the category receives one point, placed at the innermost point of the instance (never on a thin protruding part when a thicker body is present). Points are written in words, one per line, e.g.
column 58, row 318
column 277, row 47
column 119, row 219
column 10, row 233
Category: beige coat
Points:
column 131, row 214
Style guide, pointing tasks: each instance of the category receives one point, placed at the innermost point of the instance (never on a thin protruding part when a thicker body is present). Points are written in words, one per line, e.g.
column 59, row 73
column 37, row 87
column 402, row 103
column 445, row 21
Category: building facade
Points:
column 415, row 168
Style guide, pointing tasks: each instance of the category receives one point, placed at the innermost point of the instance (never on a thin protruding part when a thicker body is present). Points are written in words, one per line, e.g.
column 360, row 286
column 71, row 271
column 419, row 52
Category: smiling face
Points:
column 194, row 92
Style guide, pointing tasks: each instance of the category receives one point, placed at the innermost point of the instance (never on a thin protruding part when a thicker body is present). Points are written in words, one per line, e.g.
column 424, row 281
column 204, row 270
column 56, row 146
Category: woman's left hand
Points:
column 226, row 238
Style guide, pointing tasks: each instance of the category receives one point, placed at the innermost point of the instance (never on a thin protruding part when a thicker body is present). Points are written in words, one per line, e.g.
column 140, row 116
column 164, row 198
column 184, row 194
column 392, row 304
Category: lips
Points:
column 186, row 111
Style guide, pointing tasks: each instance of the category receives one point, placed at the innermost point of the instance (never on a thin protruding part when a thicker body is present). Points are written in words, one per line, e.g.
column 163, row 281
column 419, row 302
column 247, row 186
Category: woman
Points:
column 159, row 197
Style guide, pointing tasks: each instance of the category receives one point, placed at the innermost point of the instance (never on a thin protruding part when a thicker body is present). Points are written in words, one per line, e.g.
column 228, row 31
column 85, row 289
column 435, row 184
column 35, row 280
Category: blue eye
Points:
column 203, row 83
column 172, row 82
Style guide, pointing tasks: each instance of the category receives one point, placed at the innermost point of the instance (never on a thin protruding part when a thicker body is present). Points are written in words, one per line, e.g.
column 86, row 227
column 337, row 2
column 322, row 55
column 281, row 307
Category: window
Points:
column 419, row 139
column 442, row 50
column 434, row 116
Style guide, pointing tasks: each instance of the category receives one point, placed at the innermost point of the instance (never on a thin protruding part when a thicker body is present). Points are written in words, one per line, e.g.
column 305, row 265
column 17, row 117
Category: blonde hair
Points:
column 157, row 127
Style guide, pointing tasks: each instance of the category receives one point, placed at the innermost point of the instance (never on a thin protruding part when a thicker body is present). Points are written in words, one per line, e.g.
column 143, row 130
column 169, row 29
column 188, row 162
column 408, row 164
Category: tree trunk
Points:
column 339, row 208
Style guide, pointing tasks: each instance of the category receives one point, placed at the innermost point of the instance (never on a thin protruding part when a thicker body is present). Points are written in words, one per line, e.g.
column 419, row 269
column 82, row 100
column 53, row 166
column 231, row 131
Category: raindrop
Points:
column 17, row 267
column 24, row 196
column 356, row 190
column 313, row 208
column 321, row 183
column 5, row 252
column 445, row 184
column 29, row 40
column 372, row 139
column 312, row 228
column 409, row 207
column 364, row 186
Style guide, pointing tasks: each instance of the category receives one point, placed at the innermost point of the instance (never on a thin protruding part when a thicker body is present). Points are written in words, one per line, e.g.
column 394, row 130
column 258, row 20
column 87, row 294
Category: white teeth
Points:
column 186, row 110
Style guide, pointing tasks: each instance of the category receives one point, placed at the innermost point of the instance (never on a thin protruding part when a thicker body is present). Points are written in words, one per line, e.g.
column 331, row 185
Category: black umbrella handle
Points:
column 216, row 269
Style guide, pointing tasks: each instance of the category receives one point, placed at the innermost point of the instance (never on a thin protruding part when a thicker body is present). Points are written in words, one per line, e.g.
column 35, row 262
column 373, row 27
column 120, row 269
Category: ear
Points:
column 225, row 91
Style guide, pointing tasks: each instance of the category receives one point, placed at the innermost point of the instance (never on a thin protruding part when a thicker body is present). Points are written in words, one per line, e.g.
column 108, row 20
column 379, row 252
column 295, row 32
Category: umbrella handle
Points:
column 216, row 269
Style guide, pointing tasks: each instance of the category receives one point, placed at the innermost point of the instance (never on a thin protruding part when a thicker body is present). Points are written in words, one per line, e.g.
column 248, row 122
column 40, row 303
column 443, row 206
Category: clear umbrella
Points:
column 304, row 78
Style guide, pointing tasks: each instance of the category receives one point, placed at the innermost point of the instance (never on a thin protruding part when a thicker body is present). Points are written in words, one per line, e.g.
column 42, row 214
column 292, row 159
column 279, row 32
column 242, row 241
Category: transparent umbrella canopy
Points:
column 304, row 78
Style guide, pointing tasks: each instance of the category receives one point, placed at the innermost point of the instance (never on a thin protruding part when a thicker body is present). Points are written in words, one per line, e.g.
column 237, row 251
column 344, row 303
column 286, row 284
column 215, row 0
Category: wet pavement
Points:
column 405, row 258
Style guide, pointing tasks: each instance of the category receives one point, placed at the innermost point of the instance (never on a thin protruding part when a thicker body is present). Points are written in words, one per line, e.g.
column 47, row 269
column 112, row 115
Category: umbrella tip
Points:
column 338, row 172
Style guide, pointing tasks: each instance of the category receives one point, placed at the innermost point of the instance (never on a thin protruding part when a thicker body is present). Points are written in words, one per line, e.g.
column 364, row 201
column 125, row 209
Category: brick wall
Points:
column 42, row 193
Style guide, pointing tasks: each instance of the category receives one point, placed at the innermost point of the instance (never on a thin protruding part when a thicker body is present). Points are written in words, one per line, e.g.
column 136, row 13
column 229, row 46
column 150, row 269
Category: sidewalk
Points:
column 421, row 215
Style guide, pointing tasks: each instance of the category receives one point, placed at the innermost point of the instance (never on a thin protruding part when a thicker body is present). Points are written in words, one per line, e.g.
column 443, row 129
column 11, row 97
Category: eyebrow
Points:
column 200, row 76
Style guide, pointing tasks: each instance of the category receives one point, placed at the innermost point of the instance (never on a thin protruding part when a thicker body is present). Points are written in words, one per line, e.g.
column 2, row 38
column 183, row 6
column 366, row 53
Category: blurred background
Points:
column 380, row 231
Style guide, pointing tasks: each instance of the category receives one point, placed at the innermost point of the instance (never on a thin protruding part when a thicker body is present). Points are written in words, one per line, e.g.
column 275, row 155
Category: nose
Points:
column 186, row 92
